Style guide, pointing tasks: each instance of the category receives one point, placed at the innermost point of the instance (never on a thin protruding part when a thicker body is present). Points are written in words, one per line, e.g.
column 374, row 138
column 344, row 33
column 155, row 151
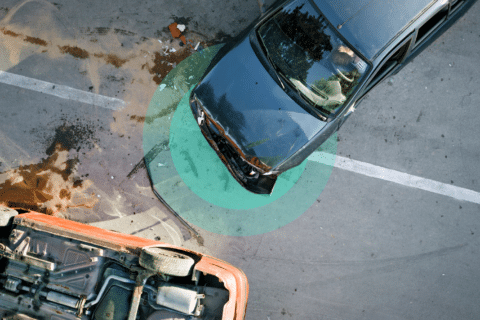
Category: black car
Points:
column 273, row 96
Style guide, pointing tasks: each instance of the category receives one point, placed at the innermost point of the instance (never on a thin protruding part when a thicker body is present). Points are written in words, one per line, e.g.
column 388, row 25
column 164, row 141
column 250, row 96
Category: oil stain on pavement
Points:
column 51, row 185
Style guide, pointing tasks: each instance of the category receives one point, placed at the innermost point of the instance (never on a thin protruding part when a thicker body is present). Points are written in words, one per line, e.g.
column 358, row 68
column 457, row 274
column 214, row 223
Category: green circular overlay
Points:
column 188, row 174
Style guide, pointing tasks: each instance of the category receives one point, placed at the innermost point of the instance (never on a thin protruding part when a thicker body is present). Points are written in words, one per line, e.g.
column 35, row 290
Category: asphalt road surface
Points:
column 395, row 232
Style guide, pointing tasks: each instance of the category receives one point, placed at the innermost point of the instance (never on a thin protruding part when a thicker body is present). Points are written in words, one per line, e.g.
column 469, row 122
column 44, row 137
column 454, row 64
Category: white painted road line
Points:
column 61, row 91
column 405, row 179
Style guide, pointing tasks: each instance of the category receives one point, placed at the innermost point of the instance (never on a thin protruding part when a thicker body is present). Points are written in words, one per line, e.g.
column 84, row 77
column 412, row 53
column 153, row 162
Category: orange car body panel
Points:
column 234, row 281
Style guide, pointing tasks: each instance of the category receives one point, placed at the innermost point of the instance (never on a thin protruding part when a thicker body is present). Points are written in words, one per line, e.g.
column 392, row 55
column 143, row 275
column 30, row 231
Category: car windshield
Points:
column 308, row 54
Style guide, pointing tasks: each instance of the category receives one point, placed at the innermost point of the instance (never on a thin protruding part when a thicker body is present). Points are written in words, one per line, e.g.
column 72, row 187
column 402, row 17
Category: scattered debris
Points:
column 165, row 62
column 176, row 32
column 181, row 27
column 69, row 137
column 138, row 166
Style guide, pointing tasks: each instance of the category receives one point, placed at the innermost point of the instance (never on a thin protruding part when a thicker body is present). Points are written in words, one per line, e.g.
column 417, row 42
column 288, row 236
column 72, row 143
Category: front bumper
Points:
column 246, row 174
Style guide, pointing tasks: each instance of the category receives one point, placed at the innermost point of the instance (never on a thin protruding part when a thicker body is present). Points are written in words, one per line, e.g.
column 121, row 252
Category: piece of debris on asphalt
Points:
column 68, row 137
column 176, row 32
column 181, row 27
column 152, row 154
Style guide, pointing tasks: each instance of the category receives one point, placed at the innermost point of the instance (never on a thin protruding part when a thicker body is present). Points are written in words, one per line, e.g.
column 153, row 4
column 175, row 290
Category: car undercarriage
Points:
column 45, row 274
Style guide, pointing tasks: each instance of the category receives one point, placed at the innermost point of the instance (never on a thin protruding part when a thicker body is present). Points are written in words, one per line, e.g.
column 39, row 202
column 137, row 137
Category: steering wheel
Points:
column 344, row 77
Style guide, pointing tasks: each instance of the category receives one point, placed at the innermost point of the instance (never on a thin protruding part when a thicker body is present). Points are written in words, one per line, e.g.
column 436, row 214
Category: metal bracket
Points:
column 140, row 281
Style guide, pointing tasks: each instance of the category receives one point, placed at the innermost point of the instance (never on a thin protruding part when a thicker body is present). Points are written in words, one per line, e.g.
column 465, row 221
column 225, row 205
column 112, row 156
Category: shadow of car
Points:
column 289, row 81
column 52, row 268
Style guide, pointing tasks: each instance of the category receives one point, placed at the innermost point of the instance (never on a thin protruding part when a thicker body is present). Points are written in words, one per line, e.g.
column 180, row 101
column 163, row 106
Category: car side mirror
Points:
column 350, row 110
column 334, row 115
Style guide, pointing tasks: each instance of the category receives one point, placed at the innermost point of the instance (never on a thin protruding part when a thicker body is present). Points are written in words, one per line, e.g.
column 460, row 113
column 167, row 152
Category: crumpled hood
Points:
column 255, row 112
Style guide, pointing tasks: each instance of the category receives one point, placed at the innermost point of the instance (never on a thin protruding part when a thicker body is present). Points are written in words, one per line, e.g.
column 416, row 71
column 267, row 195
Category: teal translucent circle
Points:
column 171, row 163
column 205, row 174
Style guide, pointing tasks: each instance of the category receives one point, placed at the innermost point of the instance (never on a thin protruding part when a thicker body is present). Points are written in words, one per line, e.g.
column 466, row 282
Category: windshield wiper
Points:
column 316, row 107
column 276, row 69
column 304, row 97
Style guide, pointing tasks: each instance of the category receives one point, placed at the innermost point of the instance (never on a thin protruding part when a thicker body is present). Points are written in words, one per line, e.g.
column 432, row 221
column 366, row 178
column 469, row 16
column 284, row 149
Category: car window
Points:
column 433, row 23
column 389, row 64
column 309, row 55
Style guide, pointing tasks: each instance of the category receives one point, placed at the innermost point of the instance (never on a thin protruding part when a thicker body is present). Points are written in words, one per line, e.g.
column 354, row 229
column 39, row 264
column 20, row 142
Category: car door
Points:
column 392, row 62
column 434, row 24
column 426, row 31
column 389, row 65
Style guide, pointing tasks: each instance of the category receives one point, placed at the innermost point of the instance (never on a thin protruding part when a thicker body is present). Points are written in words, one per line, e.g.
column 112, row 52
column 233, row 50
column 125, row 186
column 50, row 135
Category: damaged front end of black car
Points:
column 254, row 178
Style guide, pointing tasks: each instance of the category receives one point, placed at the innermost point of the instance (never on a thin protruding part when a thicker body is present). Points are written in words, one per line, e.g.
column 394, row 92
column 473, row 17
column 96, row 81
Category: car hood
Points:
column 254, row 111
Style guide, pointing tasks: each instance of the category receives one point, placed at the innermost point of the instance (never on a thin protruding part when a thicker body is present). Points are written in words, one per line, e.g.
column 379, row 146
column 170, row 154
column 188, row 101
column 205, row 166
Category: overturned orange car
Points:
column 52, row 268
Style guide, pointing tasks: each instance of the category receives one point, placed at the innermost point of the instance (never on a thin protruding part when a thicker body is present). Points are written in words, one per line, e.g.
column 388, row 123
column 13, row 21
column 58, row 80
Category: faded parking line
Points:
column 61, row 91
column 405, row 179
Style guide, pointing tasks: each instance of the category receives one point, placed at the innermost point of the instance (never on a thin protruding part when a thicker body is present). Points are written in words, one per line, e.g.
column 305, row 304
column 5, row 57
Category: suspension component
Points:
column 11, row 284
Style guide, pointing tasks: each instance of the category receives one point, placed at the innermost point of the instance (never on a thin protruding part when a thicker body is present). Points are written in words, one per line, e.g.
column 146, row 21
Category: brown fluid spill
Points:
column 98, row 48
column 148, row 71
column 51, row 186
column 163, row 64
column 143, row 66
column 74, row 52
column 37, row 41
column 162, row 61
column 111, row 59
column 9, row 33
column 47, row 187
column 137, row 118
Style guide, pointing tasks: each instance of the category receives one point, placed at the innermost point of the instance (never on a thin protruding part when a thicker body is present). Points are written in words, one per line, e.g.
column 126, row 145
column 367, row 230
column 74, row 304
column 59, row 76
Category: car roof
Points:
column 370, row 25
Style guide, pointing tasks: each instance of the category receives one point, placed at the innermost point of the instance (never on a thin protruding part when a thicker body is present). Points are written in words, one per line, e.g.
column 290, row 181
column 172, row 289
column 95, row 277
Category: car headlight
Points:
column 196, row 105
